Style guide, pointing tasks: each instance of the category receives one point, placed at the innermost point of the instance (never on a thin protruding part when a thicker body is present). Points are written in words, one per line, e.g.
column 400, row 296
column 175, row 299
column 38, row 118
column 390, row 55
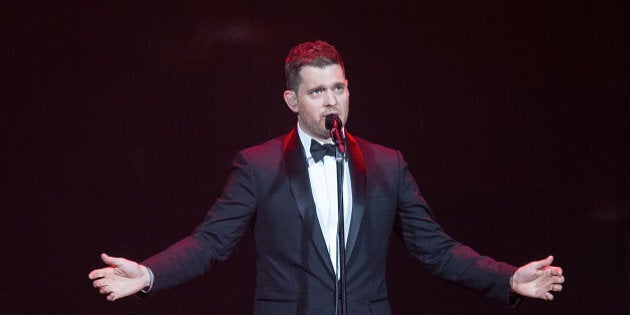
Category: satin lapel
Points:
column 359, row 183
column 297, row 170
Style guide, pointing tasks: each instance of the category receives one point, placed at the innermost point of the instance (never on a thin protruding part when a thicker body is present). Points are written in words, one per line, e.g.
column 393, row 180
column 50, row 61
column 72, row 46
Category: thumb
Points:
column 109, row 260
column 543, row 263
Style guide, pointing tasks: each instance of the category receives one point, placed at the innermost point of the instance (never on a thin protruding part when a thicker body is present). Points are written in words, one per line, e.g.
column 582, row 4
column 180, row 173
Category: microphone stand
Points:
column 340, row 286
column 334, row 125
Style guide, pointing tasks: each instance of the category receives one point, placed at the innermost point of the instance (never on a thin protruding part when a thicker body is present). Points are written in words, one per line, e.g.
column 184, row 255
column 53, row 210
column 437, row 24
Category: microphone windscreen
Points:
column 332, row 120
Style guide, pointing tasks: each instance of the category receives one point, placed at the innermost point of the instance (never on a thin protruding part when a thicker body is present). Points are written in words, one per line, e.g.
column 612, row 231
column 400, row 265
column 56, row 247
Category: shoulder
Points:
column 376, row 152
column 267, row 148
column 261, row 156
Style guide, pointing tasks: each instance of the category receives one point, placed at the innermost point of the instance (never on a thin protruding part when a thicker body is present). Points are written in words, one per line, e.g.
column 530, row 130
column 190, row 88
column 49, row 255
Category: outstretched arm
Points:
column 538, row 279
column 122, row 278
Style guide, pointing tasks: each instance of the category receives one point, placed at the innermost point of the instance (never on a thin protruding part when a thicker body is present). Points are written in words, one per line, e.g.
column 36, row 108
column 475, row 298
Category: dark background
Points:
column 119, row 122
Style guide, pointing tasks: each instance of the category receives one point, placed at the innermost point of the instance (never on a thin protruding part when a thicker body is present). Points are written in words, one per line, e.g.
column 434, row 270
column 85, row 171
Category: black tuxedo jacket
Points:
column 269, row 189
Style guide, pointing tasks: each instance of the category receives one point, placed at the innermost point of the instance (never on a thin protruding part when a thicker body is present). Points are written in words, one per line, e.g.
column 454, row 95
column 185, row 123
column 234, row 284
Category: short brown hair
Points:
column 317, row 54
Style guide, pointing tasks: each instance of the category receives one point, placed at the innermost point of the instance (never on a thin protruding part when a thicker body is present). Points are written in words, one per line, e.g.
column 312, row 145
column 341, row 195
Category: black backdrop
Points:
column 120, row 121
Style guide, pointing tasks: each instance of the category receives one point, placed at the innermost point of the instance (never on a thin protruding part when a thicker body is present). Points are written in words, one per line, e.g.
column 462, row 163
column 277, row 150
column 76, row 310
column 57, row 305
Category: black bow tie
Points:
column 318, row 150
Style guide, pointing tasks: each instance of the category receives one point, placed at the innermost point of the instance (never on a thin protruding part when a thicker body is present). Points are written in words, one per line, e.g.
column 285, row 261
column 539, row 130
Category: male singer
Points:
column 287, row 186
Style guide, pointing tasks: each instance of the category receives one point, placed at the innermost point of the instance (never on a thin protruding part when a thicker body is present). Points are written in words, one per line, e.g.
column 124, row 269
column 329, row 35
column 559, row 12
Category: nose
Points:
column 331, row 99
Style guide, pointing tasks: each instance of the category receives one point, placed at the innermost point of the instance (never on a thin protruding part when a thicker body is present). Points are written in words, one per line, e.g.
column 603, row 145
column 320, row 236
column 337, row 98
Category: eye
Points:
column 316, row 91
column 339, row 87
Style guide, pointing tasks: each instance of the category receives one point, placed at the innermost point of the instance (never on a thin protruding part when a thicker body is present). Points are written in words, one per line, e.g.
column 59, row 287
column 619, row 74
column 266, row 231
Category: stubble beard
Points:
column 315, row 128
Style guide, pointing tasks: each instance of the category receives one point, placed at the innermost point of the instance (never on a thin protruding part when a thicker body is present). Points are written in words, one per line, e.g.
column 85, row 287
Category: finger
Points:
column 556, row 271
column 101, row 283
column 111, row 297
column 98, row 273
column 558, row 279
column 548, row 296
column 104, row 290
column 97, row 284
column 543, row 263
column 94, row 274
column 553, row 272
column 556, row 287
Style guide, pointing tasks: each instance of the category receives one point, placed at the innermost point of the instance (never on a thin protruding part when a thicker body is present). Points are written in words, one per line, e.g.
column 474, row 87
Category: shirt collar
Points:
column 305, row 139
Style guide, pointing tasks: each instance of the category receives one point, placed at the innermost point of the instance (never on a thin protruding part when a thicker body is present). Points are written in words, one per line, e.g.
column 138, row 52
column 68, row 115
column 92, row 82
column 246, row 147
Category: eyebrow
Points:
column 319, row 87
column 323, row 87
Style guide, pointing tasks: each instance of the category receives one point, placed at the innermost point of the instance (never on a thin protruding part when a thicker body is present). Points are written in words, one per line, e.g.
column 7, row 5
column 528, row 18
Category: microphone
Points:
column 333, row 125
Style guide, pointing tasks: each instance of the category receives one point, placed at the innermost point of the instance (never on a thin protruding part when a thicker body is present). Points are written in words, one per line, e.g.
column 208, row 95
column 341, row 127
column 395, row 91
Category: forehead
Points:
column 313, row 76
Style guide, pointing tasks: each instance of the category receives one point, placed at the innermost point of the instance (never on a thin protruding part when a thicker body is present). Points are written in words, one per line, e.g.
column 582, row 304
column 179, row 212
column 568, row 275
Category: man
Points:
column 290, row 193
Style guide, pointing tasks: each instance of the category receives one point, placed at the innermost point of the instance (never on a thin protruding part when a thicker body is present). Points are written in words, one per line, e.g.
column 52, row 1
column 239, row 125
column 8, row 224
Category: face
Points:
column 323, row 91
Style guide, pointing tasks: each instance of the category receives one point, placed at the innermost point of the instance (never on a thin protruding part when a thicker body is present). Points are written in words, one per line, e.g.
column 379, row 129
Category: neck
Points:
column 322, row 140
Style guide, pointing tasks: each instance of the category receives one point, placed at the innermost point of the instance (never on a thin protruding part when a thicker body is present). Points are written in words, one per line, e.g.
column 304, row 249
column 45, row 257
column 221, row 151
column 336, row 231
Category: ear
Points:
column 291, row 99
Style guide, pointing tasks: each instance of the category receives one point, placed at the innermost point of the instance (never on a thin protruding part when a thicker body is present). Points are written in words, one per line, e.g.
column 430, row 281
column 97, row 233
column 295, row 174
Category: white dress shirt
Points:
column 323, row 178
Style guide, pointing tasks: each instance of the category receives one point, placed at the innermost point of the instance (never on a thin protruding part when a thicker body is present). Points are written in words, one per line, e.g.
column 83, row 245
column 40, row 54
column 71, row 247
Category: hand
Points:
column 121, row 279
column 538, row 279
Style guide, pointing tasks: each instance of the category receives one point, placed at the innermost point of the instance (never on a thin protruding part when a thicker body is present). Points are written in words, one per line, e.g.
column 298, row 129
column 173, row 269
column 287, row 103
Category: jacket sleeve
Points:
column 425, row 239
column 215, row 238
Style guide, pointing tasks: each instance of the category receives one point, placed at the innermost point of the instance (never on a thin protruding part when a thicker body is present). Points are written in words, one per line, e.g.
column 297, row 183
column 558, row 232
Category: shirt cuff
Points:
column 147, row 290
